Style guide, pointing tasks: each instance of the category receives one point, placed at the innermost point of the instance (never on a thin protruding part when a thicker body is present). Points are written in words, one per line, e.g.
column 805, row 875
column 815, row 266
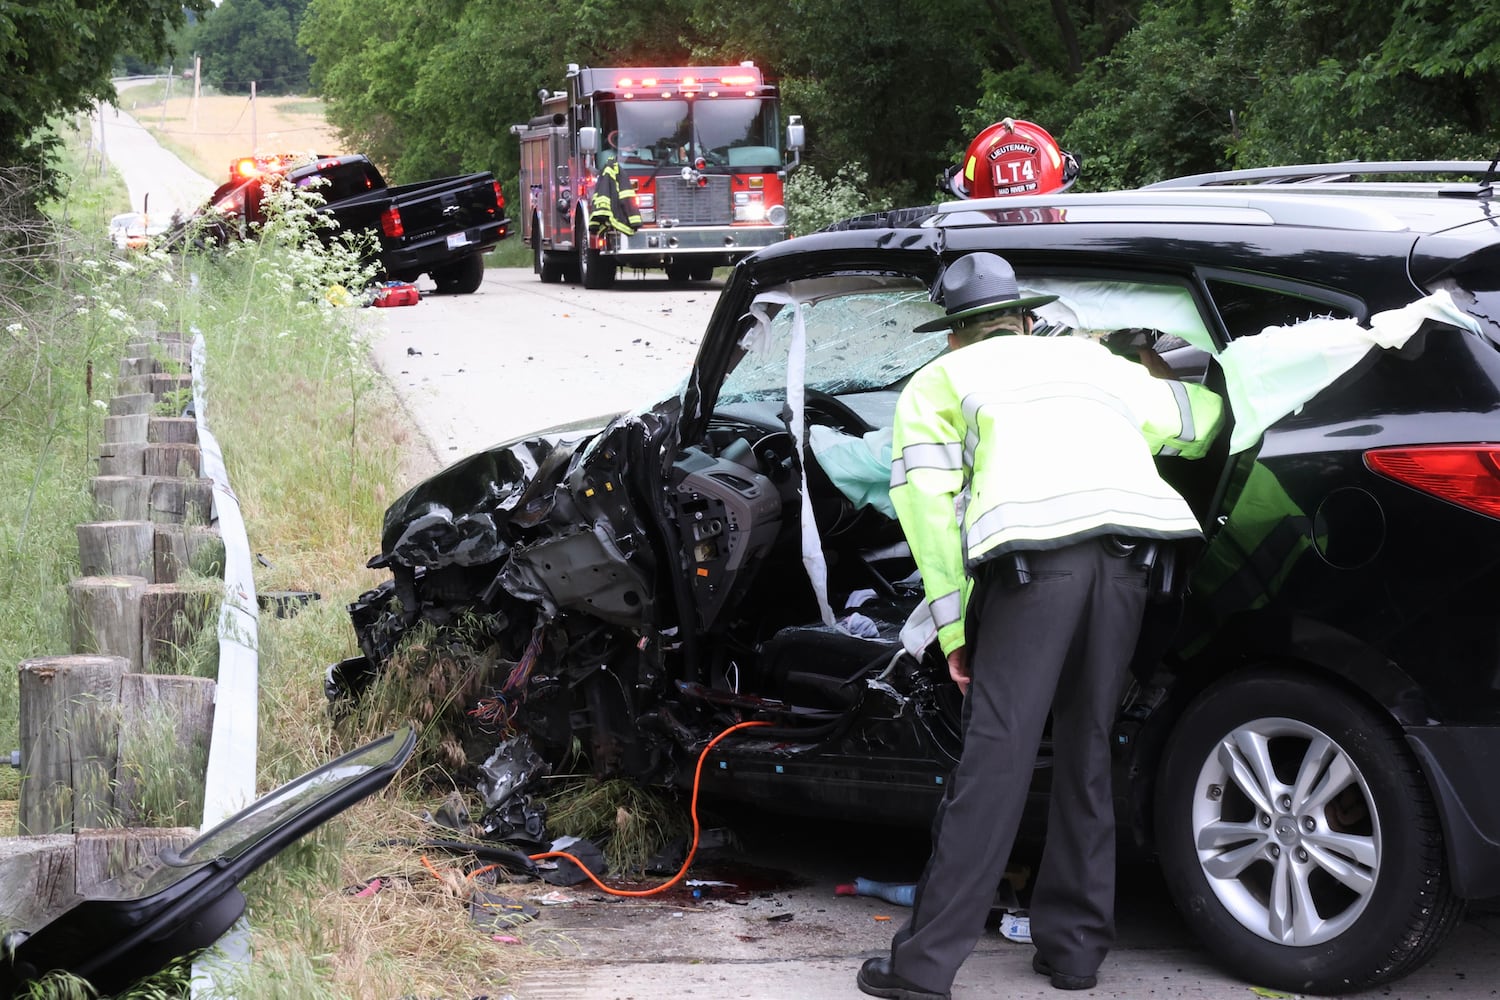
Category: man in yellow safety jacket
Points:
column 1044, row 447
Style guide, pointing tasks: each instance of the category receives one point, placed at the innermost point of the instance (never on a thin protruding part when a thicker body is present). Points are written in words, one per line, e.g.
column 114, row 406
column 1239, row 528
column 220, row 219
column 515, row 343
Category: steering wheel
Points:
column 836, row 413
column 832, row 510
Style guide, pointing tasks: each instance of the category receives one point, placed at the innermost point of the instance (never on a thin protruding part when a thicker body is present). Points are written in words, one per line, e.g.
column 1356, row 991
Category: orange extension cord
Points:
column 697, row 774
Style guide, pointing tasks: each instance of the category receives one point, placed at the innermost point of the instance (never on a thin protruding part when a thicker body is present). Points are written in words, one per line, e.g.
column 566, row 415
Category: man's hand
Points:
column 958, row 668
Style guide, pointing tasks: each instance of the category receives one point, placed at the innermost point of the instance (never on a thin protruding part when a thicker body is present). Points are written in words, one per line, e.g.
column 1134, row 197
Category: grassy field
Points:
column 212, row 130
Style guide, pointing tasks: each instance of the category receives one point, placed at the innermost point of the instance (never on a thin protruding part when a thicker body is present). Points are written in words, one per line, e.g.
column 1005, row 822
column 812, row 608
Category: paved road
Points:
column 156, row 179
column 519, row 356
column 639, row 950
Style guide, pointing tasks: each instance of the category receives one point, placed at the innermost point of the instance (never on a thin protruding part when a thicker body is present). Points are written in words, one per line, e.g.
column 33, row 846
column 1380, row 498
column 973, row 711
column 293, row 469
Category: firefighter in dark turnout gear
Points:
column 613, row 206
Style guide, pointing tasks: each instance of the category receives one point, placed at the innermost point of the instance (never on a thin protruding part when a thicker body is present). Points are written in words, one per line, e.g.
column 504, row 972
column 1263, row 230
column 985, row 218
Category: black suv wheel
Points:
column 1298, row 835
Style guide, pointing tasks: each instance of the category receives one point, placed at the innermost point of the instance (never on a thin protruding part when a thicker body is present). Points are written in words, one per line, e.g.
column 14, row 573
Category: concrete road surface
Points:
column 157, row 180
column 518, row 356
column 796, row 940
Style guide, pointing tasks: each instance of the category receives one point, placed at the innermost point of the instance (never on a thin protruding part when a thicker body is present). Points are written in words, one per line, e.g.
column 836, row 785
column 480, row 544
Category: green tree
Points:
column 57, row 59
column 1141, row 89
column 879, row 85
column 435, row 90
column 254, row 41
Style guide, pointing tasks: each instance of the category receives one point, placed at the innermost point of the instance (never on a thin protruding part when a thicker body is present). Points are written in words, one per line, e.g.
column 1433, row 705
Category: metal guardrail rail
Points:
column 229, row 785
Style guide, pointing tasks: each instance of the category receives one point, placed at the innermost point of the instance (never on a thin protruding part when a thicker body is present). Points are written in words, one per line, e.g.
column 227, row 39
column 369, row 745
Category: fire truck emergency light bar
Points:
column 747, row 77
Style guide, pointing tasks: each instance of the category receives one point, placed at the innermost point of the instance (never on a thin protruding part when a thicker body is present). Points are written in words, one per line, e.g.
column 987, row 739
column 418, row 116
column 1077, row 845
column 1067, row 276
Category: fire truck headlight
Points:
column 776, row 215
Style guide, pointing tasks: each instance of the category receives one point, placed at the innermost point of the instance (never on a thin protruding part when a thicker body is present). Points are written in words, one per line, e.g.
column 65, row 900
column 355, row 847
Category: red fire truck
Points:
column 702, row 146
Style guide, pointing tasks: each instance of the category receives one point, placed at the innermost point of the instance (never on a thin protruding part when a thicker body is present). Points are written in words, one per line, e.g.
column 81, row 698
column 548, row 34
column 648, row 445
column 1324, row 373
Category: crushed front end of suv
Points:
column 1305, row 743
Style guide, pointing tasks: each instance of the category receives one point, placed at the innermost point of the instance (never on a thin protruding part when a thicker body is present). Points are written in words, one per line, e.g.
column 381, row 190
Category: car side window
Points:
column 1247, row 309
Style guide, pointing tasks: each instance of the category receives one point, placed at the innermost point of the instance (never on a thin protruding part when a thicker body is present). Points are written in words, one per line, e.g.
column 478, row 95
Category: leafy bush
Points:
column 813, row 201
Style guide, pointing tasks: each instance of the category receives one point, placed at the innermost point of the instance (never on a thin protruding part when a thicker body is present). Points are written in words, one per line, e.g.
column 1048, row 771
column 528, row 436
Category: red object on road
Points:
column 397, row 293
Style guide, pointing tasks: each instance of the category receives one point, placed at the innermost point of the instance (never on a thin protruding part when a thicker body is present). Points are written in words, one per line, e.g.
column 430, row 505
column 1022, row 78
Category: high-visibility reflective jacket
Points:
column 613, row 206
column 1042, row 442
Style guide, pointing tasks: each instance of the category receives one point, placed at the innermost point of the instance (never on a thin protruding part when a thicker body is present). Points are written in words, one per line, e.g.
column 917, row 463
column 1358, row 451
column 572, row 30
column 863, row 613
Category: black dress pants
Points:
column 1062, row 641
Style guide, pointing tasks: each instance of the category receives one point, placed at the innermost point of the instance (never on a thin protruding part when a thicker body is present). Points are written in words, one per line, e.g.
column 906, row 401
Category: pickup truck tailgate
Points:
column 450, row 205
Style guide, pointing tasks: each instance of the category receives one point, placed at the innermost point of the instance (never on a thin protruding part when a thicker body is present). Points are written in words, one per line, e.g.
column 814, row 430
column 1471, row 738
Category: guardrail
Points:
column 163, row 505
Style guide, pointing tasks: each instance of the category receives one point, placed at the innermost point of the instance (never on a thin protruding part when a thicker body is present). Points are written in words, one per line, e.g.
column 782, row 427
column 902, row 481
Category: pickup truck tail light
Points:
column 390, row 222
column 1464, row 474
column 499, row 196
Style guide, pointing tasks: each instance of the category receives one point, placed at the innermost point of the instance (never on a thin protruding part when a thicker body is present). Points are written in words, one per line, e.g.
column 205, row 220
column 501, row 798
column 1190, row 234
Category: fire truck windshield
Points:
column 726, row 133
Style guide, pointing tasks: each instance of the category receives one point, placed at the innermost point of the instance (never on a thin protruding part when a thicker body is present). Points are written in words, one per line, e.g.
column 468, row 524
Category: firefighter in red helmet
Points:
column 1012, row 157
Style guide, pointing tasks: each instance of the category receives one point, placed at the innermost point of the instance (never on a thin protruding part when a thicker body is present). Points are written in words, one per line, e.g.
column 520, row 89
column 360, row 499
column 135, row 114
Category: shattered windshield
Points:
column 851, row 342
column 854, row 332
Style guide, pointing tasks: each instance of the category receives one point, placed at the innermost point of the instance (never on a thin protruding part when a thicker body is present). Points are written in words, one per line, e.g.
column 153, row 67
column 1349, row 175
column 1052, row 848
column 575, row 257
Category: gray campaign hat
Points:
column 979, row 283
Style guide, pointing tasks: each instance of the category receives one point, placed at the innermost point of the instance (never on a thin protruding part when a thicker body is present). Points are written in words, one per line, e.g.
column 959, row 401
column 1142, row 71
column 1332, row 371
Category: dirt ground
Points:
column 211, row 132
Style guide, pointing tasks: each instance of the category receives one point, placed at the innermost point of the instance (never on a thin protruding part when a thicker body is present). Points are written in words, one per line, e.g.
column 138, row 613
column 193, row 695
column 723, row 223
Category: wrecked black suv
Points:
column 1308, row 743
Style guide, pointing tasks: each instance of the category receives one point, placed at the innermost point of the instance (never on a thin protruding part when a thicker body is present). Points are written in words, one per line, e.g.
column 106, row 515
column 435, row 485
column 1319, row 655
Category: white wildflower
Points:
column 100, row 404
column 15, row 328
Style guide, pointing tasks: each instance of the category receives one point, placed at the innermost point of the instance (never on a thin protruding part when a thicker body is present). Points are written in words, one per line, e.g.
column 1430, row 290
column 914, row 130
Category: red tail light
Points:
column 499, row 196
column 390, row 222
column 1464, row 474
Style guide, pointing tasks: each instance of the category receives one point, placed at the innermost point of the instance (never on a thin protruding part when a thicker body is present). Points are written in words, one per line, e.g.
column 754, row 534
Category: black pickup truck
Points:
column 441, row 228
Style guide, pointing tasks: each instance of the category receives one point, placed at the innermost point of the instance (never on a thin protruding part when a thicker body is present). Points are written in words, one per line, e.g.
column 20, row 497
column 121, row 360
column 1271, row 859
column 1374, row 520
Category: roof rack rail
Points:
column 1325, row 173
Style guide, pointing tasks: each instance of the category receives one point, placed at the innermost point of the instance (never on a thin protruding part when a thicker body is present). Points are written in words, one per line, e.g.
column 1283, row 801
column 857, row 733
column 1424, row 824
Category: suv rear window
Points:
column 1246, row 309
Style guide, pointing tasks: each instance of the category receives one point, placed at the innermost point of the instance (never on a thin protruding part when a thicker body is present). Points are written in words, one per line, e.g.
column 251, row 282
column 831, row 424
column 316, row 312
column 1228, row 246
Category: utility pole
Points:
column 252, row 117
column 161, row 119
column 103, row 159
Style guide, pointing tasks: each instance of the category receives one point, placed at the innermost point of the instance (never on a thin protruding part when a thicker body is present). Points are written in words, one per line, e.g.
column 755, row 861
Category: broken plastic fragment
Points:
column 493, row 911
column 1016, row 927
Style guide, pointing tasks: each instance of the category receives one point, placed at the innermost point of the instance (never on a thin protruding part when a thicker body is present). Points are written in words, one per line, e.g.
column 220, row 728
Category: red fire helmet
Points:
column 1013, row 157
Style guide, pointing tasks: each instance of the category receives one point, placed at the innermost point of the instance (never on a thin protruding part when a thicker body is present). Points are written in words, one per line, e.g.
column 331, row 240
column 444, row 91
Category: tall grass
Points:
column 313, row 441
column 61, row 337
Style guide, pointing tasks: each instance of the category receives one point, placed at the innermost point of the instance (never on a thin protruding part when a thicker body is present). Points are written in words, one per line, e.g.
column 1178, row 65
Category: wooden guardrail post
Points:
column 160, row 714
column 69, row 741
column 37, row 875
column 116, row 548
column 105, row 616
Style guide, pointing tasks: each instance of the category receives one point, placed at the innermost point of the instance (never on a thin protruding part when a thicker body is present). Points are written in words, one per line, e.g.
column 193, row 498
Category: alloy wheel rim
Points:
column 1287, row 832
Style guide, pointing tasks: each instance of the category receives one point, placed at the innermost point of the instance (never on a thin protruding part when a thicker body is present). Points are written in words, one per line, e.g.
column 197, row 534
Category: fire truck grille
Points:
column 690, row 205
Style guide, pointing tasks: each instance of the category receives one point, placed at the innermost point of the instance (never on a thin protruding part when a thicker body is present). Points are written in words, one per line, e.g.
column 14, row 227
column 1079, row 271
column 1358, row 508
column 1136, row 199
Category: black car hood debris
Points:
column 458, row 516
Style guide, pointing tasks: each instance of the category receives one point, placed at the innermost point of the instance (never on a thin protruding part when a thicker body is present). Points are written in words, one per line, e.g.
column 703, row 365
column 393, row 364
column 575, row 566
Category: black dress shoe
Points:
column 876, row 978
column 1061, row 980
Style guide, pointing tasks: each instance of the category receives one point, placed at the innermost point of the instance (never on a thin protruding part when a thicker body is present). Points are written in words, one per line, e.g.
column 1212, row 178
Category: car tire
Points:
column 679, row 274
column 702, row 272
column 1298, row 836
column 595, row 271
column 552, row 269
column 462, row 278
